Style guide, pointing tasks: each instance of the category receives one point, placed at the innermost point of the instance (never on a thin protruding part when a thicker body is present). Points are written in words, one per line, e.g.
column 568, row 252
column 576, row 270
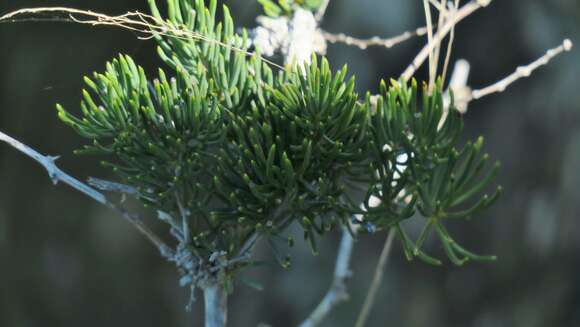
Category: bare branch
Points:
column 377, row 280
column 57, row 175
column 462, row 13
column 522, row 71
column 337, row 292
column 135, row 21
column 463, row 94
column 373, row 41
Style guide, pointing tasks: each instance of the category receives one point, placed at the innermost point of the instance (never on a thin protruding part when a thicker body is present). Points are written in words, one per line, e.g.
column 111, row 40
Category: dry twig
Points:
column 442, row 32
column 521, row 72
column 135, row 21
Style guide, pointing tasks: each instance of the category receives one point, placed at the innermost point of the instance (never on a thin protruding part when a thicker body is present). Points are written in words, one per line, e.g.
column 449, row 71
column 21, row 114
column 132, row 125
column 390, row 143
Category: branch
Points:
column 216, row 305
column 521, row 72
column 377, row 280
column 442, row 32
column 57, row 175
column 248, row 244
column 373, row 41
column 135, row 21
column 463, row 94
column 337, row 292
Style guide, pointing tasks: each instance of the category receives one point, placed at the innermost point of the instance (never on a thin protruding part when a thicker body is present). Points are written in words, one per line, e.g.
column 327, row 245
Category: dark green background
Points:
column 66, row 261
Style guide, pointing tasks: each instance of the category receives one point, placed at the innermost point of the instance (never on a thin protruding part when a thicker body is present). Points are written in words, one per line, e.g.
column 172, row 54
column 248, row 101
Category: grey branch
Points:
column 57, row 175
column 522, row 71
column 337, row 292
column 373, row 41
column 463, row 94
column 216, row 305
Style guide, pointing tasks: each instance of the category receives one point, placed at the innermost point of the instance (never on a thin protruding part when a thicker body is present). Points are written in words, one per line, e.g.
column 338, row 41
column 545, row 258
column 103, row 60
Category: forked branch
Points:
column 442, row 32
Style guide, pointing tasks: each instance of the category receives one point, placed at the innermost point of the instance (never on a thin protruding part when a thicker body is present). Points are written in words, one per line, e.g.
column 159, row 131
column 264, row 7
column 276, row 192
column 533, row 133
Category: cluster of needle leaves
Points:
column 227, row 150
column 421, row 169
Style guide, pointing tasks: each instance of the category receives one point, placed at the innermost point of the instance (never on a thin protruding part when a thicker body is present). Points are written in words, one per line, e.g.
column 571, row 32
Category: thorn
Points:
column 53, row 158
column 53, row 178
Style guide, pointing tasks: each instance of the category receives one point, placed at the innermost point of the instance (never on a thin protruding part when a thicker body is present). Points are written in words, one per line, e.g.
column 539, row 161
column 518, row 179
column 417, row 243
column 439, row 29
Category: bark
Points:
column 216, row 305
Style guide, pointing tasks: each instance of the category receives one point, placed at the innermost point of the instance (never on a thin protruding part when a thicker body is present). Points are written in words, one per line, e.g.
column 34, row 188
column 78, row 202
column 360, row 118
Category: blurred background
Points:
column 66, row 261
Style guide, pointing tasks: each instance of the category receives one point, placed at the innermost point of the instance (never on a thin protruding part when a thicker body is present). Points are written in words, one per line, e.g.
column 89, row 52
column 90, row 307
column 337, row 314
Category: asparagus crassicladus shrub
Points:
column 226, row 149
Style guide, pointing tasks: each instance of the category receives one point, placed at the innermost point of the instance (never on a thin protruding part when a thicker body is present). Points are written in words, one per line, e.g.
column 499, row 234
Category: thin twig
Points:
column 57, row 175
column 373, row 41
column 449, row 44
column 462, row 13
column 321, row 10
column 377, row 280
column 432, row 58
column 135, row 21
column 442, row 8
column 337, row 292
column 248, row 244
column 522, row 71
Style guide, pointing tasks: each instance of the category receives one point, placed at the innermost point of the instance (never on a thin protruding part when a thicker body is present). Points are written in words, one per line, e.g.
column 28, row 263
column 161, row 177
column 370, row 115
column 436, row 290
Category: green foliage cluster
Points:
column 437, row 177
column 227, row 148
column 286, row 7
